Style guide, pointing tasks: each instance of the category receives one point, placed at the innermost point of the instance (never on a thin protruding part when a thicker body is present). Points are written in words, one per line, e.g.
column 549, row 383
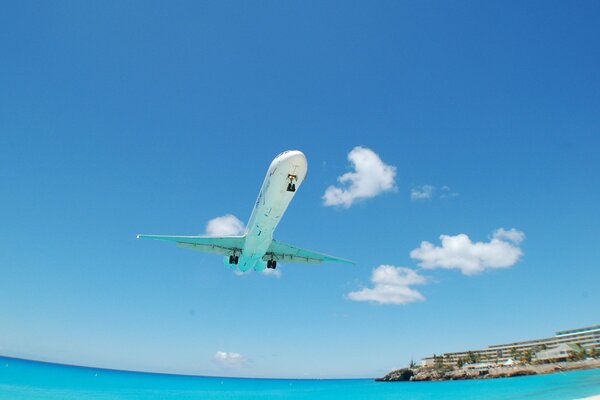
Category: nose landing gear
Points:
column 291, row 187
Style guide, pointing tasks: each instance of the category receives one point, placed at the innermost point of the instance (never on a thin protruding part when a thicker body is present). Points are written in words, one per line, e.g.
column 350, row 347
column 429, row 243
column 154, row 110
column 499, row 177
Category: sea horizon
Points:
column 150, row 372
column 30, row 379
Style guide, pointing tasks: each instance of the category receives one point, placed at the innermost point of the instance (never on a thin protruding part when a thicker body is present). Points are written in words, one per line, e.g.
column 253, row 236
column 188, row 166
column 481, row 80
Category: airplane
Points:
column 256, row 249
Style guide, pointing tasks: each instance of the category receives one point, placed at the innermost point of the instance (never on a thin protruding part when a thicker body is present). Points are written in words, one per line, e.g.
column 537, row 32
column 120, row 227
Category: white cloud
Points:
column 447, row 192
column 425, row 192
column 370, row 178
column 422, row 192
column 272, row 272
column 511, row 235
column 459, row 252
column 226, row 225
column 267, row 272
column 391, row 286
column 230, row 359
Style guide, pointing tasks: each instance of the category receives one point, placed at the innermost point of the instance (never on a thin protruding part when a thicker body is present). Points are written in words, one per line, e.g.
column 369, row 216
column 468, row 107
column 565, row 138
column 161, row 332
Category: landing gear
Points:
column 233, row 259
column 271, row 264
column 291, row 187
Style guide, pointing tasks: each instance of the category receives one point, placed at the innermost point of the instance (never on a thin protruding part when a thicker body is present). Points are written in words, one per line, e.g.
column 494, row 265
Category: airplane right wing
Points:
column 223, row 245
column 291, row 254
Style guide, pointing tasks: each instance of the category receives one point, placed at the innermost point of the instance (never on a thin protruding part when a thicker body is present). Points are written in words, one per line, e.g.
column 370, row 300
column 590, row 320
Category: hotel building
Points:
column 587, row 338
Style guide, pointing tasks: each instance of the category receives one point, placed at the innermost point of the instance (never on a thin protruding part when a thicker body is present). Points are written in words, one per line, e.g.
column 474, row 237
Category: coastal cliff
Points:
column 437, row 374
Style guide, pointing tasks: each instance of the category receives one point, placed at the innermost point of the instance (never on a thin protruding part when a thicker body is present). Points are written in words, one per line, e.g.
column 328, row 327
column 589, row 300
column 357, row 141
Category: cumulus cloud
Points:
column 447, row 192
column 272, row 272
column 459, row 252
column 422, row 192
column 425, row 192
column 511, row 235
column 391, row 285
column 226, row 225
column 370, row 178
column 230, row 359
column 267, row 272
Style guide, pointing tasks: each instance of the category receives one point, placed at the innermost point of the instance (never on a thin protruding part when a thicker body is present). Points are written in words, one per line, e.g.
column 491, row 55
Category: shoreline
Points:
column 421, row 374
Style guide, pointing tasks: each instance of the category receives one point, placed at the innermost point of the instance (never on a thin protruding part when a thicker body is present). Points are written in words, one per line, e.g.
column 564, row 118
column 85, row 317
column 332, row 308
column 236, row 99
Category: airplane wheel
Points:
column 236, row 259
column 274, row 264
column 231, row 260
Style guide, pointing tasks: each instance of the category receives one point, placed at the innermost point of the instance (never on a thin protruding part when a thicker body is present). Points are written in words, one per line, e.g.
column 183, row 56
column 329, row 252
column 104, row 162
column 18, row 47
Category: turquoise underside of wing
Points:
column 226, row 245
column 290, row 253
column 209, row 244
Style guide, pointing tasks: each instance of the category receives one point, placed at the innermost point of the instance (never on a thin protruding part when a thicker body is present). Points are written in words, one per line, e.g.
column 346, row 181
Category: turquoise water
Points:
column 20, row 379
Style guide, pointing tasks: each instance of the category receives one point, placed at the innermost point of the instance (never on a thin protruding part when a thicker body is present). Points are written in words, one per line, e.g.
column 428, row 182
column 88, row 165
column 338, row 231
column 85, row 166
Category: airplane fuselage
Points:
column 284, row 176
column 256, row 249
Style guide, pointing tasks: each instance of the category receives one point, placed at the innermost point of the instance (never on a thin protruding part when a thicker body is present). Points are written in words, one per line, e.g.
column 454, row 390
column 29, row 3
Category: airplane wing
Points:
column 292, row 254
column 223, row 245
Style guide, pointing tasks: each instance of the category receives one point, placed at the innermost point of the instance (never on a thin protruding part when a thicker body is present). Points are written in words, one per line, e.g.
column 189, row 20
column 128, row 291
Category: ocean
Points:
column 21, row 379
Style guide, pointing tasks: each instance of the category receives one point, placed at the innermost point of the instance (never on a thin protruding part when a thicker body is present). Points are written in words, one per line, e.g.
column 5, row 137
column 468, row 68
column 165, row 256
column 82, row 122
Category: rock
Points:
column 433, row 374
column 430, row 375
column 399, row 375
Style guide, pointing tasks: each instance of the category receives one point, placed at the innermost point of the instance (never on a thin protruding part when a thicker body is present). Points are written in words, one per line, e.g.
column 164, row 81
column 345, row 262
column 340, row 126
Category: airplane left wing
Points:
column 291, row 254
column 223, row 245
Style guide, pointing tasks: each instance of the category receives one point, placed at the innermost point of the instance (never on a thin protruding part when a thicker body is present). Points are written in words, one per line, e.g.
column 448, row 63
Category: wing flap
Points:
column 292, row 254
column 223, row 245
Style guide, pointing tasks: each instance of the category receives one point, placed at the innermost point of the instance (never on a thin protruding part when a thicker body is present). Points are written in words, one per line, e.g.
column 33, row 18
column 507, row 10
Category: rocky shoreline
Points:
column 438, row 374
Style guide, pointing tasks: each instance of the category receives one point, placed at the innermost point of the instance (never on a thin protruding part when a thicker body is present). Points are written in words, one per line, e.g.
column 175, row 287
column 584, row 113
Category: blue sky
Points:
column 146, row 117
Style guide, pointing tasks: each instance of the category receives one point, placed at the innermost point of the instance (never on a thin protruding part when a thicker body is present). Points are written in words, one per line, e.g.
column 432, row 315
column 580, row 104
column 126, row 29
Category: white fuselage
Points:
column 273, row 199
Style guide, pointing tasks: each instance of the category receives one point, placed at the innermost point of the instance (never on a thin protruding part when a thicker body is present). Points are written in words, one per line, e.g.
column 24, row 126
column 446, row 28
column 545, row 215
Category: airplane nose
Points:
column 296, row 157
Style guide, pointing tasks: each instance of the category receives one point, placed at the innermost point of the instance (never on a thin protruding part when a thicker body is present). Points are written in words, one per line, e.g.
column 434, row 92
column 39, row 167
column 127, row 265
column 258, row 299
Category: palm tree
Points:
column 526, row 356
column 582, row 353
column 473, row 357
column 438, row 362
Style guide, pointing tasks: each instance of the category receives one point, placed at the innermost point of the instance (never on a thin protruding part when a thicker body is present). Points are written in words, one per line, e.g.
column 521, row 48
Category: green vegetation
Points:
column 526, row 357
column 579, row 353
column 473, row 358
column 439, row 365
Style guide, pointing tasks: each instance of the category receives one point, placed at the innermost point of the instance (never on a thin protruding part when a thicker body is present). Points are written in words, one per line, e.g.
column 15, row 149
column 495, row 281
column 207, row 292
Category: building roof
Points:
column 578, row 330
column 561, row 351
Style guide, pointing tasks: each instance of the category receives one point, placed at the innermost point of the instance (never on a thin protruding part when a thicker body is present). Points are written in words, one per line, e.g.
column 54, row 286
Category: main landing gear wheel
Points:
column 271, row 264
column 234, row 259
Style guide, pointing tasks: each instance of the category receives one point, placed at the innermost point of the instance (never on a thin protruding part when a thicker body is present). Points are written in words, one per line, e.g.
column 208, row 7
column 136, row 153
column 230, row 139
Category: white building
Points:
column 587, row 338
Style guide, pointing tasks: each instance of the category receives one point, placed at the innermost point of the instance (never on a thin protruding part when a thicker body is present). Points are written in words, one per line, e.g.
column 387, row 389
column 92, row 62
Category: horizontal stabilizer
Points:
column 292, row 254
column 223, row 245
